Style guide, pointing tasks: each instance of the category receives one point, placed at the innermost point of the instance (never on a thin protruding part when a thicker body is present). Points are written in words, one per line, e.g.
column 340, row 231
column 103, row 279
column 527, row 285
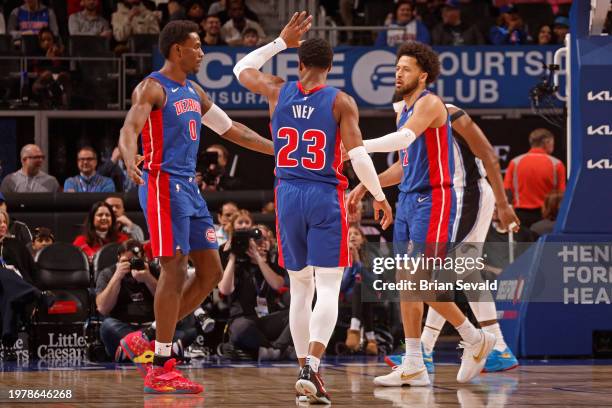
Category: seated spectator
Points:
column 124, row 295
column 176, row 11
column 14, row 254
column 550, row 210
column 509, row 29
column 453, row 31
column 225, row 215
column 217, row 177
column 52, row 88
column 195, row 11
column 89, row 21
column 403, row 27
column 19, row 230
column 100, row 228
column 125, row 225
column 259, row 320
column 233, row 28
column 211, row 34
column 30, row 18
column 250, row 38
column 268, row 208
column 545, row 35
column 30, row 178
column 115, row 169
column 88, row 181
column 219, row 8
column 561, row 28
column 350, row 289
column 132, row 17
column 43, row 237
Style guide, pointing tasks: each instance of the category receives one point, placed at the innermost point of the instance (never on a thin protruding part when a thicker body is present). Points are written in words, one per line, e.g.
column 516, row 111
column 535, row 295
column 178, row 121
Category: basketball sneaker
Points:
column 475, row 356
column 138, row 349
column 300, row 399
column 396, row 359
column 168, row 380
column 309, row 383
column 500, row 361
column 407, row 373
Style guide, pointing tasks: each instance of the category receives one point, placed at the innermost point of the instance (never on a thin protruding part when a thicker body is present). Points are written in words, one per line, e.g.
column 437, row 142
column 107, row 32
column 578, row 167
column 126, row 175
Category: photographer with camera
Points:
column 215, row 174
column 124, row 295
column 259, row 320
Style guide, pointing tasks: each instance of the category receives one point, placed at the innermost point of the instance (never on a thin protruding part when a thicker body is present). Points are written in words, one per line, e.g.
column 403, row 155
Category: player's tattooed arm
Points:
column 248, row 138
column 147, row 96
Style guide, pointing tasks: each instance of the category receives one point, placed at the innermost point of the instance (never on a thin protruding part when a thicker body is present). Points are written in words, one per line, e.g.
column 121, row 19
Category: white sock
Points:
column 414, row 355
column 429, row 338
column 355, row 323
column 198, row 312
column 468, row 332
column 163, row 349
column 313, row 362
column 500, row 344
column 370, row 336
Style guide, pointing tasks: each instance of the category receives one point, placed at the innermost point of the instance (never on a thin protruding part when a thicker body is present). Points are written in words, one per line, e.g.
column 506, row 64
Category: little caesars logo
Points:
column 19, row 348
column 63, row 347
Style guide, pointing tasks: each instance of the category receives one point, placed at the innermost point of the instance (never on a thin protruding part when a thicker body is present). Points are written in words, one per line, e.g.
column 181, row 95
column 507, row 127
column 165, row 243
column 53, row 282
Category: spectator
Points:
column 115, row 169
column 100, row 228
column 124, row 295
column 232, row 29
column 268, row 208
column 132, row 17
column 217, row 177
column 403, row 27
column 561, row 28
column 550, row 210
column 30, row 18
column 227, row 212
column 259, row 320
column 30, row 178
column 453, row 31
column 14, row 254
column 509, row 29
column 43, row 237
column 52, row 88
column 89, row 21
column 19, row 230
column 212, row 31
column 530, row 177
column 195, row 11
column 176, row 11
column 545, row 35
column 351, row 289
column 124, row 224
column 219, row 8
column 250, row 37
column 88, row 181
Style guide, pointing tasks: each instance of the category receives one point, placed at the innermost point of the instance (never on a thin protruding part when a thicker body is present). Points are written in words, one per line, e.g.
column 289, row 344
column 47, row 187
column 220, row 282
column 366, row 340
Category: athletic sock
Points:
column 500, row 344
column 355, row 324
column 468, row 332
column 414, row 355
column 370, row 336
column 163, row 352
column 313, row 362
column 429, row 338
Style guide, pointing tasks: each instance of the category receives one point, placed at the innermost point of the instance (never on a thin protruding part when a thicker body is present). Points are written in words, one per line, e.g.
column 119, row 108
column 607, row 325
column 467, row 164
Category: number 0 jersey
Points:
column 307, row 136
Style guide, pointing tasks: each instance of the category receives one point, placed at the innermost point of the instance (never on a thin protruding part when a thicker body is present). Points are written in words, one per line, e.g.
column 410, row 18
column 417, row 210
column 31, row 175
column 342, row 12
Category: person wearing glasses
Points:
column 30, row 178
column 88, row 181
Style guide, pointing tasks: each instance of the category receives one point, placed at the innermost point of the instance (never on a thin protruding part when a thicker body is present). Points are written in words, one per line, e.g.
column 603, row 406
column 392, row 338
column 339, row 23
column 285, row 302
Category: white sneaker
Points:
column 404, row 374
column 475, row 356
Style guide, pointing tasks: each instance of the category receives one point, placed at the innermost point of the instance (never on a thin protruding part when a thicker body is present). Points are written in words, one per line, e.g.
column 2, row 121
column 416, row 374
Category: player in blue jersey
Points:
column 167, row 111
column 310, row 123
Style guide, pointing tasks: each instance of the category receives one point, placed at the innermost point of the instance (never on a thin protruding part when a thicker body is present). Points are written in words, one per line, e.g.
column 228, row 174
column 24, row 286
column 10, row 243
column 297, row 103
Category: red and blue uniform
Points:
column 311, row 218
column 426, row 204
column 176, row 213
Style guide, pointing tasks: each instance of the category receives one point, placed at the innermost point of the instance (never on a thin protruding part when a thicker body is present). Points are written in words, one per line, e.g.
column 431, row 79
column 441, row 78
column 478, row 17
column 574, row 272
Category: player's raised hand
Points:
column 508, row 218
column 295, row 28
column 385, row 207
column 134, row 173
column 355, row 198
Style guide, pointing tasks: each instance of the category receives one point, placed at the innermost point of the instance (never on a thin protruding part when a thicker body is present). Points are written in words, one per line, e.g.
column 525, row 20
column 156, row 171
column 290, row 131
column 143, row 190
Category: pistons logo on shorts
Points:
column 210, row 235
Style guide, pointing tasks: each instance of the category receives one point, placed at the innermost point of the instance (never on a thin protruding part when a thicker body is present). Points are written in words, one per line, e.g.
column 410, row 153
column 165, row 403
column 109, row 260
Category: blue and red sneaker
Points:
column 138, row 349
column 500, row 361
column 168, row 380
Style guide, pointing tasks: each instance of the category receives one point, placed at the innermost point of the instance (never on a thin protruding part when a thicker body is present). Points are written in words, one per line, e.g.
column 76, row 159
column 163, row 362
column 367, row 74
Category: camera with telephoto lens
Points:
column 137, row 262
column 240, row 240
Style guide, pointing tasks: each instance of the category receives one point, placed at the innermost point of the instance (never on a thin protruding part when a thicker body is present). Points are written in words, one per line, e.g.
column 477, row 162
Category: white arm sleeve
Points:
column 364, row 169
column 390, row 143
column 256, row 59
column 216, row 119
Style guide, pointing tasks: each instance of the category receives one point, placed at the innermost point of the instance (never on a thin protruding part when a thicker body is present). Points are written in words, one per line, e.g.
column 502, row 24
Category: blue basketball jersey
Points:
column 171, row 135
column 307, row 136
column 428, row 163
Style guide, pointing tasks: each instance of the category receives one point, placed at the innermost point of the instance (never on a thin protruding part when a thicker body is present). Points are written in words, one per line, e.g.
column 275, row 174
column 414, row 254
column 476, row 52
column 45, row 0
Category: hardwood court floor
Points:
column 349, row 383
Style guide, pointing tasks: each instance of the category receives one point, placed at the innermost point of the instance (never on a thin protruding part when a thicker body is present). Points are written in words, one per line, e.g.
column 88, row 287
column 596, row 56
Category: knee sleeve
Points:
column 301, row 287
column 325, row 313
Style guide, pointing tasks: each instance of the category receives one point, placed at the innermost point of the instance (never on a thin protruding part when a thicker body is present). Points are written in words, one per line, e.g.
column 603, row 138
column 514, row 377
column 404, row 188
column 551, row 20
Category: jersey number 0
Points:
column 315, row 149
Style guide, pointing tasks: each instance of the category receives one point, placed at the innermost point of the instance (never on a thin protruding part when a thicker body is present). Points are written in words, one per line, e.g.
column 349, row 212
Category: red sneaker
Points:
column 167, row 380
column 138, row 349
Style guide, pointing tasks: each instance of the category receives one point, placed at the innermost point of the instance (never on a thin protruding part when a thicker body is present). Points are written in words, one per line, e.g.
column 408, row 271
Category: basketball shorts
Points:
column 311, row 225
column 475, row 205
column 176, row 214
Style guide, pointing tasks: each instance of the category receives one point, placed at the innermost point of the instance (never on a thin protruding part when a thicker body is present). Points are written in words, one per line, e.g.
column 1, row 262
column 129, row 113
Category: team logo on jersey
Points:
column 187, row 105
column 210, row 235
column 174, row 90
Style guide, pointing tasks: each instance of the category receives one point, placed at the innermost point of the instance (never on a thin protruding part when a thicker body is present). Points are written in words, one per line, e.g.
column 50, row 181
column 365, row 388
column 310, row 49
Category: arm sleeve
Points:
column 365, row 171
column 390, row 143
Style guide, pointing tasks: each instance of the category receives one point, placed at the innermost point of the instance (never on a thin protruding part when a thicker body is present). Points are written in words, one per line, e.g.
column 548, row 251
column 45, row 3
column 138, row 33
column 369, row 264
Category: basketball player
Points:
column 310, row 121
column 426, row 206
column 167, row 110
column 475, row 160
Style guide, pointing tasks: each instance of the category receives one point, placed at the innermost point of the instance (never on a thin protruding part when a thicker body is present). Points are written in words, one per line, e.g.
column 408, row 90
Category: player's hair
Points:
column 426, row 58
column 537, row 137
column 316, row 52
column 88, row 149
column 175, row 32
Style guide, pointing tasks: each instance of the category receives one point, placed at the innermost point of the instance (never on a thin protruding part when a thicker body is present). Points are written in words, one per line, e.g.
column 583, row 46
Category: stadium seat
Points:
column 143, row 43
column 30, row 45
column 89, row 46
column 6, row 45
column 104, row 258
